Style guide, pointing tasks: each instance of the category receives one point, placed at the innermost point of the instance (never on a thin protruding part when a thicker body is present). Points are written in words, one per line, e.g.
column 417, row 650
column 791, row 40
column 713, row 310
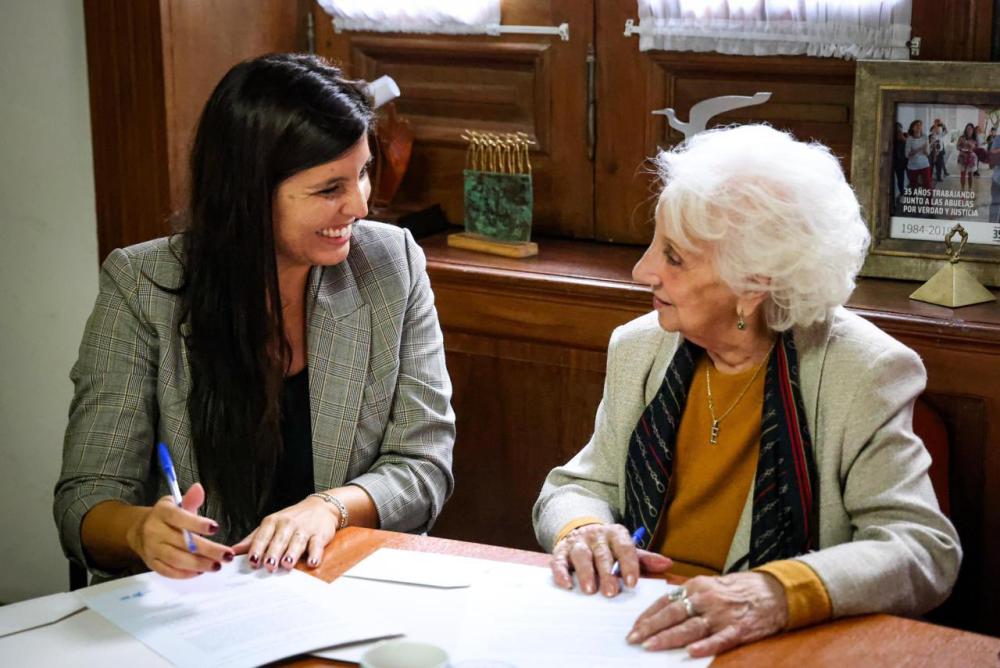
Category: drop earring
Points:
column 741, row 324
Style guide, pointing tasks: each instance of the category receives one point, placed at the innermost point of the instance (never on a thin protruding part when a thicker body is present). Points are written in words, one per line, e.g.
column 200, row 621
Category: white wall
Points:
column 48, row 273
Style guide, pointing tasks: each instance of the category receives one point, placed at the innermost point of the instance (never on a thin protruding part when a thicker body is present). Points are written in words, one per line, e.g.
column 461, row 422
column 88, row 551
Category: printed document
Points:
column 512, row 615
column 236, row 617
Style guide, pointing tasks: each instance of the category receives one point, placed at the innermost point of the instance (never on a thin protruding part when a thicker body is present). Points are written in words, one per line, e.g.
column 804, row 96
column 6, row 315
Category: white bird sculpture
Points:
column 701, row 112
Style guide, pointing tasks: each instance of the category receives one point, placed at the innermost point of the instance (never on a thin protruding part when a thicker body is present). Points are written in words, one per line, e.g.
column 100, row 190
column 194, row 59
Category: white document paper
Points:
column 85, row 640
column 512, row 615
column 19, row 617
column 427, row 614
column 419, row 568
column 519, row 616
column 236, row 617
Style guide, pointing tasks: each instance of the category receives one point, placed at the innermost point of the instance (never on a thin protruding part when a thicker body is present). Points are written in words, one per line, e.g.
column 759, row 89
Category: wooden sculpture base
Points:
column 480, row 244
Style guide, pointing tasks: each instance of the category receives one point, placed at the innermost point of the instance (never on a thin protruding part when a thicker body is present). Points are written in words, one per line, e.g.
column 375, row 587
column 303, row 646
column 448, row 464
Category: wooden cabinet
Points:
column 592, row 182
column 586, row 102
column 535, row 84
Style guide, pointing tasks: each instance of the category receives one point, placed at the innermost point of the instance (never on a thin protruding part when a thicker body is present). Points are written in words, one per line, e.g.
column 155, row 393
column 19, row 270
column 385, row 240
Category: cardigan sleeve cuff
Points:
column 808, row 600
column 575, row 524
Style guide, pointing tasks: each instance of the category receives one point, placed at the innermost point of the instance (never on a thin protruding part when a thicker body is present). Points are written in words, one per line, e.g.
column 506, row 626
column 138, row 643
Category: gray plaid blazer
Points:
column 378, row 387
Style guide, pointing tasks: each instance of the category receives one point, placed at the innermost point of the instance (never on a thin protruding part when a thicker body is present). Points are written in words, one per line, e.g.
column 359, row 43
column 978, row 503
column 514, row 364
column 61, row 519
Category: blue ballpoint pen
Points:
column 637, row 537
column 168, row 470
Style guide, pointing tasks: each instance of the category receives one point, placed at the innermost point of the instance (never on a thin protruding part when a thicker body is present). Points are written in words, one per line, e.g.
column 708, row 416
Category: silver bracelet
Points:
column 329, row 498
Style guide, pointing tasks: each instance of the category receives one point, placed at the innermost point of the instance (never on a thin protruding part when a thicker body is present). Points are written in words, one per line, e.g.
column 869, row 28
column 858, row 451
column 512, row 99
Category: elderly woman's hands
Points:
column 284, row 536
column 591, row 551
column 720, row 613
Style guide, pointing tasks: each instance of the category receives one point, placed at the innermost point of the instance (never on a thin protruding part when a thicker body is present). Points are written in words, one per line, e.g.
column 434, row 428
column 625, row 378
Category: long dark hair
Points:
column 268, row 119
column 975, row 133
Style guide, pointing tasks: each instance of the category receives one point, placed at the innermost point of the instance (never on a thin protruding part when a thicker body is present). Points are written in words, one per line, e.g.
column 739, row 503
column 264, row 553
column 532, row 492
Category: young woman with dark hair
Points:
column 968, row 161
column 286, row 350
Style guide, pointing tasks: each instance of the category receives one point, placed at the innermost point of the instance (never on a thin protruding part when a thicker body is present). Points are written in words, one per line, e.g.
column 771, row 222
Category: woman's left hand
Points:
column 726, row 611
column 282, row 537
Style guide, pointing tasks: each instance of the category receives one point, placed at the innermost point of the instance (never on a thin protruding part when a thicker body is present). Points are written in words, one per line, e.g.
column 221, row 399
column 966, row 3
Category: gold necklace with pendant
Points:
column 717, row 421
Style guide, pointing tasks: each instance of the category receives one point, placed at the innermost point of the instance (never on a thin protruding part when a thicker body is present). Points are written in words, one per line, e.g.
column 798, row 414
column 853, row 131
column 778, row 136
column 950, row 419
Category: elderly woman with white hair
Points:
column 756, row 432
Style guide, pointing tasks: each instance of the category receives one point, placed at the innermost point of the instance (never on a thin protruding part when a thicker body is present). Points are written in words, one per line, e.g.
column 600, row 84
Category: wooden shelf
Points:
column 587, row 267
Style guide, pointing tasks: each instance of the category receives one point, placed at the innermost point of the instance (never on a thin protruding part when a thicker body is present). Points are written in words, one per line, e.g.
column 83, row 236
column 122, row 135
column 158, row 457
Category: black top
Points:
column 293, row 479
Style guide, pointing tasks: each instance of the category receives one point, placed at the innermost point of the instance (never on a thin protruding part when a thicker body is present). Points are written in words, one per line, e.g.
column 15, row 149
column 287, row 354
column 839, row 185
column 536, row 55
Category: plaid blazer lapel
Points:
column 338, row 340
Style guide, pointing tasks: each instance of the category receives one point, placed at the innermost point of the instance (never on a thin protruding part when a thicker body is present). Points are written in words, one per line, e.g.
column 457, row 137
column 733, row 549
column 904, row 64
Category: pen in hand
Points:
column 637, row 537
column 175, row 491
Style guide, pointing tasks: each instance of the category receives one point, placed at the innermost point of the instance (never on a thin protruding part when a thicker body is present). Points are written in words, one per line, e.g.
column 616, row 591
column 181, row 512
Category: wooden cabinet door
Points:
column 536, row 84
column 812, row 97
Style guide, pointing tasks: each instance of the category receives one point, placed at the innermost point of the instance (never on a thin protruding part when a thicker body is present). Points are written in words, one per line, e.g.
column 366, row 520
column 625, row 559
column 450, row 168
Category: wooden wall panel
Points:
column 204, row 40
column 509, row 393
column 128, row 128
column 152, row 65
column 953, row 29
column 532, row 84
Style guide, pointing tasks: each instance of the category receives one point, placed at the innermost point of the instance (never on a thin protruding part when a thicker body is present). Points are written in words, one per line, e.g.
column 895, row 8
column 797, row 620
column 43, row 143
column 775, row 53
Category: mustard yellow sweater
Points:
column 710, row 484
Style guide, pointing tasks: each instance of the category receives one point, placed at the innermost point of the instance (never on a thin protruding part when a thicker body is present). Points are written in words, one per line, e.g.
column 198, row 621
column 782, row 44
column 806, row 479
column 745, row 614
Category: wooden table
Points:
column 873, row 640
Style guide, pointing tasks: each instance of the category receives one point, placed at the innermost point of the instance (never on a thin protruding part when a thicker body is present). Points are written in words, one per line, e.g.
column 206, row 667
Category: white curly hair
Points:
column 777, row 213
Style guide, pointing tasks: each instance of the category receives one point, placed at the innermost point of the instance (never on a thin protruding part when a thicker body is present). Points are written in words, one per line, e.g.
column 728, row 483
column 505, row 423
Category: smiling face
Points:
column 688, row 294
column 315, row 209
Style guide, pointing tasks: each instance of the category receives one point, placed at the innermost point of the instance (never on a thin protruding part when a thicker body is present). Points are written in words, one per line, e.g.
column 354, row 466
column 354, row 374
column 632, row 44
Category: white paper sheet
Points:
column 517, row 615
column 512, row 615
column 18, row 617
column 236, row 617
column 85, row 640
column 419, row 568
column 427, row 614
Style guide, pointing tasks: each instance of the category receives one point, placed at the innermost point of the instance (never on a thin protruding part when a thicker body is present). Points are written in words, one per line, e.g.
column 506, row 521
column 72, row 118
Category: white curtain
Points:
column 457, row 17
column 871, row 29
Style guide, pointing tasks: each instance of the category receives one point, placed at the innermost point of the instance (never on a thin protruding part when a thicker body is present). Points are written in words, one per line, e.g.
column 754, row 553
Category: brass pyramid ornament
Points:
column 953, row 286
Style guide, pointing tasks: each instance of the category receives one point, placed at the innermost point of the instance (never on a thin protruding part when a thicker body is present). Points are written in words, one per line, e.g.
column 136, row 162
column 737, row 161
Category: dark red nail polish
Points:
column 254, row 558
column 216, row 566
column 271, row 561
column 228, row 556
column 213, row 528
column 288, row 559
column 313, row 562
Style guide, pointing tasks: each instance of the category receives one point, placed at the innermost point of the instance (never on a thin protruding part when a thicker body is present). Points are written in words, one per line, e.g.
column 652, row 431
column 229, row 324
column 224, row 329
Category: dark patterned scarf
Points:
column 784, row 503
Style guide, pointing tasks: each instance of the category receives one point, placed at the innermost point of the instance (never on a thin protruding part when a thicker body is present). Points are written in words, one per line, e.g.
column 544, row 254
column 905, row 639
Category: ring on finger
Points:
column 688, row 607
column 678, row 594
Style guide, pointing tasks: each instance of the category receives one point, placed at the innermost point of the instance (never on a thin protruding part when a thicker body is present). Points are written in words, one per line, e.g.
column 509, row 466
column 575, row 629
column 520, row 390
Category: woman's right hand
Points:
column 158, row 538
column 591, row 551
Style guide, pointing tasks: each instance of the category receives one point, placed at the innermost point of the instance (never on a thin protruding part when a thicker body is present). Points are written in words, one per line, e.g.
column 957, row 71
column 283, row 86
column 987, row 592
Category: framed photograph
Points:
column 926, row 156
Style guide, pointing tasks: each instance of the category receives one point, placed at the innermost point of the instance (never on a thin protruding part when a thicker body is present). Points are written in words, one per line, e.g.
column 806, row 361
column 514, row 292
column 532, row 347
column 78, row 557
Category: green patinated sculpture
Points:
column 498, row 205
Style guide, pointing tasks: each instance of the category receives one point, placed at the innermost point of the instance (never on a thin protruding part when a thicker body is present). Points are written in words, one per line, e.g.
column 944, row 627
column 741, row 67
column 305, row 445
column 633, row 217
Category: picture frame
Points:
column 908, row 220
